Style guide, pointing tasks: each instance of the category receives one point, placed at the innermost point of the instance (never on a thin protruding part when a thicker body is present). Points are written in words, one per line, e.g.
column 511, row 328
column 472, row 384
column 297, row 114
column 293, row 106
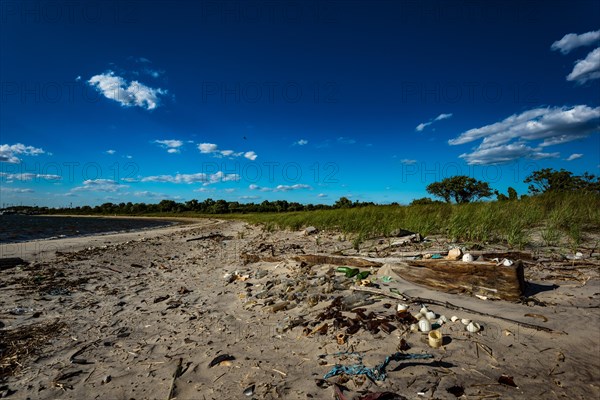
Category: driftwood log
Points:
column 482, row 278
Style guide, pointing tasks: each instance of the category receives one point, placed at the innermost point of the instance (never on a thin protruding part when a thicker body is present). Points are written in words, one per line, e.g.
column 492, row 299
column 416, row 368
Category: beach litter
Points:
column 377, row 373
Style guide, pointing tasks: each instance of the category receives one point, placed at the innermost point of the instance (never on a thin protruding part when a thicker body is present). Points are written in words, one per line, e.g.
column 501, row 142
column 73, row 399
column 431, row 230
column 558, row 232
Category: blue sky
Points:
column 304, row 101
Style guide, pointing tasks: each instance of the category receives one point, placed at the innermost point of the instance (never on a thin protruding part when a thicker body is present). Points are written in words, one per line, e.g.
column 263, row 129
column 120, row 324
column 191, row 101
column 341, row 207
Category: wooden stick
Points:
column 421, row 300
column 176, row 375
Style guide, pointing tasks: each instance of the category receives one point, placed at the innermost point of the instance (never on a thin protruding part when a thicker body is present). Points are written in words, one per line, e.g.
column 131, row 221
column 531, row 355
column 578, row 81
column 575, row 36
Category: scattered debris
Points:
column 220, row 359
column 507, row 380
column 377, row 373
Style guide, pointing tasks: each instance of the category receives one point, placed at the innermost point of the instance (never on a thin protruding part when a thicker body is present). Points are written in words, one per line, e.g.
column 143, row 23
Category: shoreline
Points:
column 39, row 249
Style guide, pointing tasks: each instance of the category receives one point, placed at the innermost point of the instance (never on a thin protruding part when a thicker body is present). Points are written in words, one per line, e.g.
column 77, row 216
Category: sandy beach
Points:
column 146, row 315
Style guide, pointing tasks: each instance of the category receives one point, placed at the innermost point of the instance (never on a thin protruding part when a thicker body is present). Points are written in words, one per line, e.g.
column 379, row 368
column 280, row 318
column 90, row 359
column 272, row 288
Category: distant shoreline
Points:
column 45, row 231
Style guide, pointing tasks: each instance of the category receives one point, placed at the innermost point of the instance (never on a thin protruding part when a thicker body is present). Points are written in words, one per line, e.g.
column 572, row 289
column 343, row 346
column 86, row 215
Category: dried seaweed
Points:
column 19, row 344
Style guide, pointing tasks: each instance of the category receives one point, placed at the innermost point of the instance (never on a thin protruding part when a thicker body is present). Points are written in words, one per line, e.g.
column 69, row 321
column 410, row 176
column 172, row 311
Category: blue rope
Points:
column 376, row 373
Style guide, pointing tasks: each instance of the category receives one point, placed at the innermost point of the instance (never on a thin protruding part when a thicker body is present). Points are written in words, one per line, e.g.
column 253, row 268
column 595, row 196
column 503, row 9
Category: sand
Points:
column 142, row 315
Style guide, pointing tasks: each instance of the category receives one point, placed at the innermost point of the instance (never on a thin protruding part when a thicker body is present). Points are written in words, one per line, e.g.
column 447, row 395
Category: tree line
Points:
column 458, row 189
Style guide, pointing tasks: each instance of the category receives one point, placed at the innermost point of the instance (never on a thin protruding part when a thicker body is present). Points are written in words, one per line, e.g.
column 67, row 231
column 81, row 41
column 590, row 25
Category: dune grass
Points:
column 557, row 215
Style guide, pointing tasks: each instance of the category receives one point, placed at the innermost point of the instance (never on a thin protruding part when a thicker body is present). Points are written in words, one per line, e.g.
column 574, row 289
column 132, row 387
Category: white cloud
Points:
column 29, row 177
column 301, row 142
column 572, row 40
column 211, row 148
column 586, row 69
column 548, row 124
column 280, row 188
column 422, row 126
column 9, row 152
column 407, row 161
column 200, row 177
column 250, row 155
column 207, row 148
column 126, row 93
column 443, row 116
column 322, row 195
column 574, row 156
column 230, row 190
column 440, row 117
column 15, row 190
column 100, row 185
column 249, row 197
column 111, row 152
column 171, row 145
column 153, row 195
column 506, row 140
column 504, row 154
column 551, row 126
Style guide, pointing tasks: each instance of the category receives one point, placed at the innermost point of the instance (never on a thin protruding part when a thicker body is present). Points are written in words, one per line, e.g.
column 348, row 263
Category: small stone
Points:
column 106, row 379
column 311, row 230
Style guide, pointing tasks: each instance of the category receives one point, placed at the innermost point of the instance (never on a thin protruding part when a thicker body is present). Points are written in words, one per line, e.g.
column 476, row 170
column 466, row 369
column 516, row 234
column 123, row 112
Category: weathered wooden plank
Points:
column 483, row 278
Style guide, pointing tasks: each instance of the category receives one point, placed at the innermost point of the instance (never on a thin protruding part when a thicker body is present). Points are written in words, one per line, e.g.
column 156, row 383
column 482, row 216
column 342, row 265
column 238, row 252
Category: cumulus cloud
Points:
column 506, row 140
column 249, row 197
column 301, row 142
column 9, row 152
column 440, row 117
column 572, row 40
column 29, row 177
column 250, row 155
column 99, row 185
column 207, row 148
column 504, row 154
column 574, row 156
column 172, row 146
column 111, row 152
column 280, row 188
column 126, row 93
column 322, row 195
column 200, row 177
column 211, row 148
column 586, row 69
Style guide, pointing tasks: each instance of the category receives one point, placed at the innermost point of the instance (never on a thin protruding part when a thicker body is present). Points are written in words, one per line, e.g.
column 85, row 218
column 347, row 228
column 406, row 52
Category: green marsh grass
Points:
column 508, row 221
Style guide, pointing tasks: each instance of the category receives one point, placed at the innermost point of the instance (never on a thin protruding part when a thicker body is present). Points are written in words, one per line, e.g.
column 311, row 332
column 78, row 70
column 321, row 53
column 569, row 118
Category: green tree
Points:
column 343, row 202
column 460, row 188
column 549, row 180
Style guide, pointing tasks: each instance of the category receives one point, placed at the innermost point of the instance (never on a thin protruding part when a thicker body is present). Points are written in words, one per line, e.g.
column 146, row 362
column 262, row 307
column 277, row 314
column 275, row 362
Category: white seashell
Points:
column 473, row 327
column 402, row 307
column 418, row 316
column 507, row 262
column 443, row 320
column 423, row 310
column 430, row 315
column 454, row 318
column 414, row 327
column 468, row 258
column 424, row 325
column 465, row 321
